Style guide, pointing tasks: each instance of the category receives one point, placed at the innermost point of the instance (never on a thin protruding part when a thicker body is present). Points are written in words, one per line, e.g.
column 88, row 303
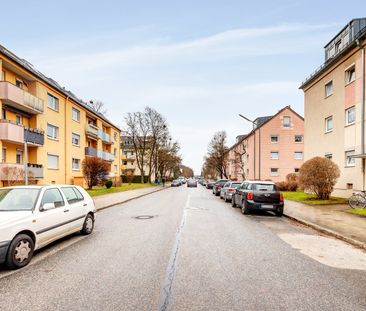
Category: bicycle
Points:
column 357, row 200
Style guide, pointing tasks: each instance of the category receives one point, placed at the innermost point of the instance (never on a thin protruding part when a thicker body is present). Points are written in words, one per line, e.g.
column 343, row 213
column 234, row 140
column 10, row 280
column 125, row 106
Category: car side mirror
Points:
column 47, row 207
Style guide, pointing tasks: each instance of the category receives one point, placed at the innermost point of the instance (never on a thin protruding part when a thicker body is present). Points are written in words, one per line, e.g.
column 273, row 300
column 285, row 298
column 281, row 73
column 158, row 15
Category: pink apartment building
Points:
column 273, row 149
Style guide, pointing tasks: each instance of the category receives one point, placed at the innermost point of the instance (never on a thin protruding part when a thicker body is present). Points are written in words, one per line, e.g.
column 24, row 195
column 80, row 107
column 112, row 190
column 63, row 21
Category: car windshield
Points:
column 19, row 199
column 235, row 185
column 264, row 187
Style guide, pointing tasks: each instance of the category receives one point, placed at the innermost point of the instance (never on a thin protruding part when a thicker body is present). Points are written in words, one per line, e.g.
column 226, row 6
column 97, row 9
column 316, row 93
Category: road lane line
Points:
column 170, row 272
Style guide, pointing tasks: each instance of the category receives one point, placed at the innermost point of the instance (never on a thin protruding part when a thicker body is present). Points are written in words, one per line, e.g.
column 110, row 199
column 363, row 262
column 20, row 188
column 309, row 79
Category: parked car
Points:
column 209, row 184
column 228, row 190
column 192, row 183
column 33, row 216
column 216, row 188
column 175, row 183
column 258, row 195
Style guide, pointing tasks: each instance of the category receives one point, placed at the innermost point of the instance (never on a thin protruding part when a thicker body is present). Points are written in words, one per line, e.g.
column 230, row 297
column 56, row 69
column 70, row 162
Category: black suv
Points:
column 258, row 195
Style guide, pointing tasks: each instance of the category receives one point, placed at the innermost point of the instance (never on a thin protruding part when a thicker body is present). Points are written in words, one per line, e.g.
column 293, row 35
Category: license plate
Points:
column 267, row 206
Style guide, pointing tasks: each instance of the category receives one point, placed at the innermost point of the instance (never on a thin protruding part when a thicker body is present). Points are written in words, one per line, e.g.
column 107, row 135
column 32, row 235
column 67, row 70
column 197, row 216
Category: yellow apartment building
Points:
column 46, row 131
column 335, row 107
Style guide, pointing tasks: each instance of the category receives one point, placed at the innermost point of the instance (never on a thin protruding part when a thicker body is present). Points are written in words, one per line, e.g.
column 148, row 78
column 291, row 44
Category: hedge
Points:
column 135, row 180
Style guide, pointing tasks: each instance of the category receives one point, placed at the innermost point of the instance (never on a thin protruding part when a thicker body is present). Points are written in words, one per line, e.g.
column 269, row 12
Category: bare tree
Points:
column 168, row 159
column 138, row 129
column 240, row 152
column 159, row 134
column 98, row 106
column 216, row 153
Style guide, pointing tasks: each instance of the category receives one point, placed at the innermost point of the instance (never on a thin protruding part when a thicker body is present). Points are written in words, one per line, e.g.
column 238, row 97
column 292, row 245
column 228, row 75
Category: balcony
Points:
column 34, row 137
column 35, row 171
column 11, row 132
column 106, row 138
column 16, row 133
column 92, row 131
column 92, row 152
column 15, row 172
column 20, row 99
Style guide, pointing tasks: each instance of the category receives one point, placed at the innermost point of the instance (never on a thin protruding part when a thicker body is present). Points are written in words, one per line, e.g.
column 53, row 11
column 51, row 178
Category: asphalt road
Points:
column 196, row 253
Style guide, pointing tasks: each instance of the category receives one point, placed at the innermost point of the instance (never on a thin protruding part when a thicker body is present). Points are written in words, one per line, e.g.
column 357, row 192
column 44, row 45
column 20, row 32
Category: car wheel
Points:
column 279, row 213
column 20, row 251
column 245, row 209
column 88, row 225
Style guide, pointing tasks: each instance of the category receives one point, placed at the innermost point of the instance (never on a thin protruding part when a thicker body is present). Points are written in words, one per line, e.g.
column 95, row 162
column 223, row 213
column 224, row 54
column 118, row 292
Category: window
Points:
column 19, row 156
column 115, row 136
column 4, row 114
column 350, row 75
column 2, row 75
column 3, row 155
column 76, row 114
column 75, row 164
column 264, row 187
column 274, row 155
column 349, row 186
column 350, row 160
column 19, row 83
column 53, row 196
column 299, row 138
column 329, row 89
column 337, row 46
column 298, row 155
column 124, row 162
column 18, row 119
column 296, row 170
column 75, row 139
column 52, row 131
column 52, row 102
column 329, row 124
column 350, row 115
column 274, row 139
column 52, row 161
column 329, row 156
column 115, row 169
column 274, row 171
column 115, row 151
column 286, row 121
column 71, row 195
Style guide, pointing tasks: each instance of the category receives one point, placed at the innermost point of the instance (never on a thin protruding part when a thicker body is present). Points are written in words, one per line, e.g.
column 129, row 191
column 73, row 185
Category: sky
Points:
column 199, row 63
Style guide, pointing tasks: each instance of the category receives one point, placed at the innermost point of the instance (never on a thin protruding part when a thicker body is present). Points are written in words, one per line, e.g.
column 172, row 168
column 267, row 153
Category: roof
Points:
column 361, row 35
column 268, row 119
column 260, row 120
column 29, row 67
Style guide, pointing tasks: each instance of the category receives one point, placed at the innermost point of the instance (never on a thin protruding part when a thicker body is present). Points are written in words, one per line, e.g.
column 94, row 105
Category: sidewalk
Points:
column 108, row 200
column 330, row 219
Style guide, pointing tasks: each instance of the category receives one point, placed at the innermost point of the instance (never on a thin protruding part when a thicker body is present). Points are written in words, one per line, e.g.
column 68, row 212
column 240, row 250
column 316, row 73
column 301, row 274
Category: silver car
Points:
column 228, row 190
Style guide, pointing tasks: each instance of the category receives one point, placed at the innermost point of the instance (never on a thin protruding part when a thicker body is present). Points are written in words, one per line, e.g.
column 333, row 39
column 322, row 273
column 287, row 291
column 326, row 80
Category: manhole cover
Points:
column 144, row 217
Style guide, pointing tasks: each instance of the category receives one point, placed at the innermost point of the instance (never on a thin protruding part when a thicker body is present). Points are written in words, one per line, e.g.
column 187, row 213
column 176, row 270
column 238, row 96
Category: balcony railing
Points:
column 15, row 171
column 33, row 136
column 106, row 138
column 18, row 98
column 35, row 171
column 92, row 130
column 99, row 153
column 11, row 132
column 17, row 133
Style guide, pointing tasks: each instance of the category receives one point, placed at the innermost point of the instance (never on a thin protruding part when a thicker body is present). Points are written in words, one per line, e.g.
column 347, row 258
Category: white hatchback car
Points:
column 34, row 216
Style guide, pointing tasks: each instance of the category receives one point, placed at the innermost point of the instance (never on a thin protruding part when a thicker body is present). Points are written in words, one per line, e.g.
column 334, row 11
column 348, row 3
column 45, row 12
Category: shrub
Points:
column 287, row 185
column 319, row 175
column 292, row 177
column 108, row 184
column 95, row 170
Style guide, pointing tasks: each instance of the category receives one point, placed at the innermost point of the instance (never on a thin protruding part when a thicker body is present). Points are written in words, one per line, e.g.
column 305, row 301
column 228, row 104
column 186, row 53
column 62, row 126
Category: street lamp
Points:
column 255, row 124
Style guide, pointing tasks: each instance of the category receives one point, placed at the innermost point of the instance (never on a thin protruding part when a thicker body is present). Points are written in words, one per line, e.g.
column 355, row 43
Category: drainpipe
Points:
column 65, row 139
column 362, row 112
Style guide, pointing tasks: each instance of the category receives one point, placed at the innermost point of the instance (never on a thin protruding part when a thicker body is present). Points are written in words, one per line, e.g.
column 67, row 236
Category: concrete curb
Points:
column 329, row 232
column 130, row 199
